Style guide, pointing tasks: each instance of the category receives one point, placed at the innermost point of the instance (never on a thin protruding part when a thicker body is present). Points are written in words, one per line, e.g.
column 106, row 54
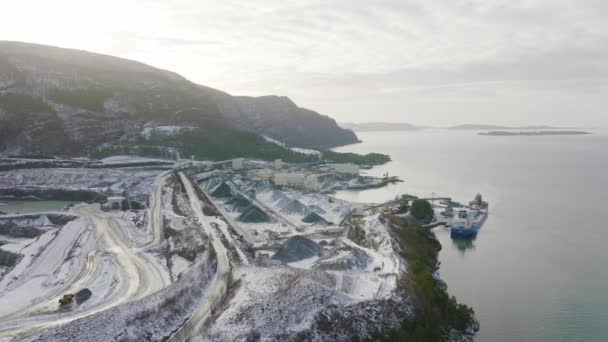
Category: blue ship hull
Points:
column 463, row 232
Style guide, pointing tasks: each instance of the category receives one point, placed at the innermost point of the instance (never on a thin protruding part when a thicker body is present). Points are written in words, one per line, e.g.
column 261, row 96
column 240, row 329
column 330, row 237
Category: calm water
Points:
column 25, row 207
column 538, row 270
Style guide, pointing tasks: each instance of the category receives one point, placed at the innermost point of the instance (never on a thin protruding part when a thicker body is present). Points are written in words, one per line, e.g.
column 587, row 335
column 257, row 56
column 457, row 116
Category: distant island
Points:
column 473, row 127
column 404, row 126
column 533, row 133
column 380, row 126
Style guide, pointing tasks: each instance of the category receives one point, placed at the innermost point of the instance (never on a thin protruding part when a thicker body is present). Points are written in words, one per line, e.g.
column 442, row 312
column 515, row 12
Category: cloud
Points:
column 175, row 41
column 347, row 56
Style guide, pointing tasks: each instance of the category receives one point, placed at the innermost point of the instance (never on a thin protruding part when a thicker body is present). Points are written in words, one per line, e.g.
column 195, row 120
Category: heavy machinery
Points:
column 66, row 299
column 79, row 297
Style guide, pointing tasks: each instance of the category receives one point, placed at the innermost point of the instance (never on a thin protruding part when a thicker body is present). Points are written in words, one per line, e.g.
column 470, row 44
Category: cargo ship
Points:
column 468, row 221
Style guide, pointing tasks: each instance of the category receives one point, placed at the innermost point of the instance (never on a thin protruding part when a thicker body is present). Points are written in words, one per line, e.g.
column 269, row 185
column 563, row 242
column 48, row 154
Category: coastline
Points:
column 469, row 327
column 434, row 306
column 435, row 309
column 470, row 268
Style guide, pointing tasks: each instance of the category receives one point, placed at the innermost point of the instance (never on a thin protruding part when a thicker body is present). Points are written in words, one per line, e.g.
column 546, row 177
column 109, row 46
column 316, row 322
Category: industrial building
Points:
column 289, row 179
column 297, row 180
column 238, row 163
column 350, row 169
column 263, row 174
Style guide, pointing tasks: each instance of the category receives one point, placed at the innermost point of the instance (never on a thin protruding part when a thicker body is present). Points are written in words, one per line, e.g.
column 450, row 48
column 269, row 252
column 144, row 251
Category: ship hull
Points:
column 463, row 232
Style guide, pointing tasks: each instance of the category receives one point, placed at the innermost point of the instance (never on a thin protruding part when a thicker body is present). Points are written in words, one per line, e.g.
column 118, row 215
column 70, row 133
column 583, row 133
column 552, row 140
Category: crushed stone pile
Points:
column 297, row 248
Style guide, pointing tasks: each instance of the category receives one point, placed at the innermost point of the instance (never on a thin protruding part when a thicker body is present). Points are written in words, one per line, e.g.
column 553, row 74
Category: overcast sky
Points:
column 421, row 61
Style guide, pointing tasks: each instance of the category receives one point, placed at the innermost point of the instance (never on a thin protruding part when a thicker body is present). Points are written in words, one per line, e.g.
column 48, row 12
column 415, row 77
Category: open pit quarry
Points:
column 194, row 252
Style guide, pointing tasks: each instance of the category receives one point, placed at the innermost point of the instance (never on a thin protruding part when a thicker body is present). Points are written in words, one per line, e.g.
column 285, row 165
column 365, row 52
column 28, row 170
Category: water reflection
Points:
column 464, row 244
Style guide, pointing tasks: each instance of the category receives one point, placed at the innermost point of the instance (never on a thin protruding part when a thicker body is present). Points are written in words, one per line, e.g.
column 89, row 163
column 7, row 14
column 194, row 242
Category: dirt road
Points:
column 139, row 275
column 217, row 289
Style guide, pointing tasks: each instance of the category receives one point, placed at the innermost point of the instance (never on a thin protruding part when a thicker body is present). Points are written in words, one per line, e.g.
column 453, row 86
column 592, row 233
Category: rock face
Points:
column 72, row 103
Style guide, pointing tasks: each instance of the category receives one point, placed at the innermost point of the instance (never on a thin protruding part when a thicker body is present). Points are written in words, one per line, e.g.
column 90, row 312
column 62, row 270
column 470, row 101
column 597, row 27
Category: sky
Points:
column 427, row 62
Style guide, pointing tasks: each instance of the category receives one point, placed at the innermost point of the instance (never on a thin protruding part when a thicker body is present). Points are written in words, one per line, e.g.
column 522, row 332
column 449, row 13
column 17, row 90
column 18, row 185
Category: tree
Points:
column 422, row 210
column 403, row 208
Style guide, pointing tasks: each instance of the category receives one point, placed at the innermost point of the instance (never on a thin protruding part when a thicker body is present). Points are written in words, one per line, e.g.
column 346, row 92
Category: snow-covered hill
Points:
column 70, row 102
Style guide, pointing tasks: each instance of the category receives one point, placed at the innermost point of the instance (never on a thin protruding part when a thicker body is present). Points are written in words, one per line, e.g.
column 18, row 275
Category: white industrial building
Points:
column 297, row 180
column 289, row 179
column 263, row 174
column 238, row 163
column 345, row 168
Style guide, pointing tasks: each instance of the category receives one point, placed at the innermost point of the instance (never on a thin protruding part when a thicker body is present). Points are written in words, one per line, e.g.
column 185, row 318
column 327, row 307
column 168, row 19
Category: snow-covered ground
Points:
column 136, row 182
column 184, row 238
column 306, row 151
column 95, row 250
column 240, row 258
column 290, row 212
column 276, row 301
column 148, row 131
column 296, row 204
column 89, row 252
column 153, row 318
column 295, row 149
column 48, row 262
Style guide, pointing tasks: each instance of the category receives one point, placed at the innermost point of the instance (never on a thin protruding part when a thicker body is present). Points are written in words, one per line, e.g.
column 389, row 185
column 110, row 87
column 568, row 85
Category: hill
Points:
column 72, row 103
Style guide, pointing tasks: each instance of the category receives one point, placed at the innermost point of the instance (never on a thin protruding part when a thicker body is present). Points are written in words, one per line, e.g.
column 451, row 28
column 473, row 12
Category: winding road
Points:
column 218, row 288
column 139, row 276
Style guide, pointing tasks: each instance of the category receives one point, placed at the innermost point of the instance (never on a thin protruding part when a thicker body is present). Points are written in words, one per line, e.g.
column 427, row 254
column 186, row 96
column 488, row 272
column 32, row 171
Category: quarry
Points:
column 233, row 250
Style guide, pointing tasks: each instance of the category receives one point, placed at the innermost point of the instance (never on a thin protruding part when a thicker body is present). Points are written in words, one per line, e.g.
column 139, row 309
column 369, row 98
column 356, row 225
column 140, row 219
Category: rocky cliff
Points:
column 280, row 118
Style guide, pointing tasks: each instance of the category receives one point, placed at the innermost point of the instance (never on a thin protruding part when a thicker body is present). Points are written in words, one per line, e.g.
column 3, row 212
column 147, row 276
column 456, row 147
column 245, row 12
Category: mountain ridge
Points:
column 73, row 102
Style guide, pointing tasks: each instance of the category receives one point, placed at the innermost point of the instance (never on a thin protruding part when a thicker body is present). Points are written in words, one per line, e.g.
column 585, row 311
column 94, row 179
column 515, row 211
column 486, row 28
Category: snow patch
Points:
column 147, row 132
column 306, row 151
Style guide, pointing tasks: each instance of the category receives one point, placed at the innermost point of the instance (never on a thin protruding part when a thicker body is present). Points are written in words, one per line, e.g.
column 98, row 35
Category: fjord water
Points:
column 538, row 269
